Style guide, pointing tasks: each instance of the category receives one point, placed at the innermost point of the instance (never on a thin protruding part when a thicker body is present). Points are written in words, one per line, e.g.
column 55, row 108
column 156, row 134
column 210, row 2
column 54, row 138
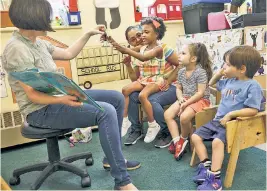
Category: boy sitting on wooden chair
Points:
column 241, row 97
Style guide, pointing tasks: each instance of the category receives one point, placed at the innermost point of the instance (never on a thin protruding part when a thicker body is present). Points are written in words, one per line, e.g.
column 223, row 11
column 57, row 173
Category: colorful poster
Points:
column 254, row 36
column 217, row 43
column 262, row 70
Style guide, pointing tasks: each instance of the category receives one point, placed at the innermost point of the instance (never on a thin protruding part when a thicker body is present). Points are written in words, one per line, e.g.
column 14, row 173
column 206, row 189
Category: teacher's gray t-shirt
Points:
column 22, row 54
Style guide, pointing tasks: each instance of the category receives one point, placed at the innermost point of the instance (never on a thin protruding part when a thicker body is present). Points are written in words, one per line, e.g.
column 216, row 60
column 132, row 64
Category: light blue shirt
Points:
column 238, row 94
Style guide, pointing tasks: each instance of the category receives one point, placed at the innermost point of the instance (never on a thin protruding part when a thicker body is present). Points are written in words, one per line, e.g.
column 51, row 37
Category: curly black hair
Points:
column 160, row 30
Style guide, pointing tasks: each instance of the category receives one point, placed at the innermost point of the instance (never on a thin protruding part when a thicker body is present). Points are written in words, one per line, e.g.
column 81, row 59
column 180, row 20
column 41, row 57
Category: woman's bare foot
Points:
column 128, row 187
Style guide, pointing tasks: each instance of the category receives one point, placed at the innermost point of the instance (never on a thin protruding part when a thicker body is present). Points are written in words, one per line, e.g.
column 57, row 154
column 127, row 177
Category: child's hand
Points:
column 100, row 29
column 182, row 108
column 127, row 60
column 225, row 119
column 117, row 46
column 221, row 72
column 164, row 86
column 181, row 100
column 70, row 100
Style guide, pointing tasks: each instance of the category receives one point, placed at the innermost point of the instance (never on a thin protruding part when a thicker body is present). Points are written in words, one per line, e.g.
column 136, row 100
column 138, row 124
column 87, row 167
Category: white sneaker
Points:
column 126, row 124
column 152, row 133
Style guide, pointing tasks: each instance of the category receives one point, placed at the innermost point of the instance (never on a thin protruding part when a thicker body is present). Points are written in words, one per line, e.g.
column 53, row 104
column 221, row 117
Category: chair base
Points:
column 48, row 168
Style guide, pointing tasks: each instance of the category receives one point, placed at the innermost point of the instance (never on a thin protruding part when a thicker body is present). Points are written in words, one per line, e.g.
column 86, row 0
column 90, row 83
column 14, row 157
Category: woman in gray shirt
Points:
column 25, row 51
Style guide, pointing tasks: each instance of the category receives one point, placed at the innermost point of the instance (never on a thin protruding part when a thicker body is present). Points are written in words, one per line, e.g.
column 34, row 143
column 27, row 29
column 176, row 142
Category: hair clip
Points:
column 156, row 24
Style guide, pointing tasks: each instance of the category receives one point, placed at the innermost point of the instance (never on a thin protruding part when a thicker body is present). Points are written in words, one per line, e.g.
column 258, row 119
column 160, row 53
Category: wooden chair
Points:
column 242, row 133
column 4, row 185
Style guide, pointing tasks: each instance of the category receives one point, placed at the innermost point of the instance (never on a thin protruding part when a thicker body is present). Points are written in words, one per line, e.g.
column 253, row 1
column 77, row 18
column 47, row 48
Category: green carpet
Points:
column 159, row 170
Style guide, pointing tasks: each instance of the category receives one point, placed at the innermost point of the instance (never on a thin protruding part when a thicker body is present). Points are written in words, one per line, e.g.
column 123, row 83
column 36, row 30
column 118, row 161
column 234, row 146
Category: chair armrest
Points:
column 211, row 107
column 260, row 114
column 205, row 116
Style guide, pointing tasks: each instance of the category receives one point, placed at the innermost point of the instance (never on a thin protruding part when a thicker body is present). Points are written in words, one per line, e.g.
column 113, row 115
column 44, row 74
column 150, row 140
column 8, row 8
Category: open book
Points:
column 53, row 84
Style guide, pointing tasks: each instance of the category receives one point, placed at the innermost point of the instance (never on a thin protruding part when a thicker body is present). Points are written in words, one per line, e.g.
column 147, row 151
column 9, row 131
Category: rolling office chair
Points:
column 54, row 162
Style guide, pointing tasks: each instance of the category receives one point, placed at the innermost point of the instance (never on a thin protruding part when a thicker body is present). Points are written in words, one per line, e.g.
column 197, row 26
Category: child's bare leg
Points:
column 153, row 127
column 127, row 90
column 217, row 154
column 169, row 116
column 185, row 121
column 143, row 97
column 205, row 164
column 200, row 147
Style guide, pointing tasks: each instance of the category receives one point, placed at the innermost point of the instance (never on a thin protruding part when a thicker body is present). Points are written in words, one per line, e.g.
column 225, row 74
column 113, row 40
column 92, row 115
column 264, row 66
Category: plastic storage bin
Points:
column 191, row 2
column 196, row 16
column 73, row 6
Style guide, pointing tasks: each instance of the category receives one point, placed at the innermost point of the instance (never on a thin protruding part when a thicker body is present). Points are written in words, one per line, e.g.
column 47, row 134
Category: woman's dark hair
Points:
column 31, row 14
column 160, row 30
column 247, row 56
column 127, row 30
column 200, row 51
column 137, row 27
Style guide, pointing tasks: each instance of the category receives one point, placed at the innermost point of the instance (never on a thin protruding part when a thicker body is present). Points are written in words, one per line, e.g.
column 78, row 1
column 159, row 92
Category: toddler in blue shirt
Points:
column 241, row 97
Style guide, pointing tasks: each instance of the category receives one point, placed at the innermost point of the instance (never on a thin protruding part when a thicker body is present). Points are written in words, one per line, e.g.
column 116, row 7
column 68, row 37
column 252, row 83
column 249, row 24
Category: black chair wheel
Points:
column 86, row 181
column 14, row 181
column 87, row 85
column 89, row 161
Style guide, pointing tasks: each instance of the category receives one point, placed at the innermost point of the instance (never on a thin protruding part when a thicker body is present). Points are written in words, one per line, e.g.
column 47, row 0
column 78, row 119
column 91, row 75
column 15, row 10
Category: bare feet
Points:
column 128, row 187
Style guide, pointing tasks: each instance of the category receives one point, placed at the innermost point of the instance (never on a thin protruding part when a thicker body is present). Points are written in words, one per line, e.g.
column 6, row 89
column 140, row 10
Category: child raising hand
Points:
column 192, row 94
column 151, row 63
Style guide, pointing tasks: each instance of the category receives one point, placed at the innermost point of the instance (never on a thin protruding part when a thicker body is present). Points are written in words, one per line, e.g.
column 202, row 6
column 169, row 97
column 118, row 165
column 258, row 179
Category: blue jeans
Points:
column 109, row 125
column 158, row 101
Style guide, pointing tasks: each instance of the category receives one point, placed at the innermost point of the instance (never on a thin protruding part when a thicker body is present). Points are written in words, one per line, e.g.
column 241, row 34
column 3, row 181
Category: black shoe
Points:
column 163, row 140
column 130, row 165
column 133, row 137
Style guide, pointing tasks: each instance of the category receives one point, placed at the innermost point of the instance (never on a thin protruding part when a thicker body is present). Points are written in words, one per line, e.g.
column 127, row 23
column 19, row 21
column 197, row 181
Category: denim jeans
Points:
column 158, row 101
column 109, row 125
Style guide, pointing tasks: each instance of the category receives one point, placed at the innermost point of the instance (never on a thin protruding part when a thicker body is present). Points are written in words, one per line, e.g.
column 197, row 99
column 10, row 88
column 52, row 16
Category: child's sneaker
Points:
column 180, row 148
column 211, row 183
column 171, row 148
column 126, row 124
column 152, row 132
column 201, row 174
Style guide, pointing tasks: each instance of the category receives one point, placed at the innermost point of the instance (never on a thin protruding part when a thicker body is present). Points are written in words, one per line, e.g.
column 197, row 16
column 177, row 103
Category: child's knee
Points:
column 167, row 115
column 125, row 91
column 217, row 142
column 196, row 139
column 142, row 97
column 185, row 119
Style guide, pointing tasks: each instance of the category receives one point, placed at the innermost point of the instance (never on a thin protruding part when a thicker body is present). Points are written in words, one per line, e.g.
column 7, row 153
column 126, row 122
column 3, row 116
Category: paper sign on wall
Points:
column 3, row 92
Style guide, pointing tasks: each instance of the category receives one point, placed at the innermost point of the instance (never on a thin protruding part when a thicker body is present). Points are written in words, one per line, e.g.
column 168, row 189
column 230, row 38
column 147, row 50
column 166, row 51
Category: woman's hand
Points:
column 70, row 100
column 100, row 29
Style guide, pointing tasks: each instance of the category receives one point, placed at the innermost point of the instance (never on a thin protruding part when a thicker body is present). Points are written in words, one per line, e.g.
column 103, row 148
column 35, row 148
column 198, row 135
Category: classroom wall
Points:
column 68, row 36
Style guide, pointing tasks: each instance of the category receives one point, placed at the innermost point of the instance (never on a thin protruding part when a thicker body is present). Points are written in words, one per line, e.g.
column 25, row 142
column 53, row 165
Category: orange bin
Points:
column 5, row 20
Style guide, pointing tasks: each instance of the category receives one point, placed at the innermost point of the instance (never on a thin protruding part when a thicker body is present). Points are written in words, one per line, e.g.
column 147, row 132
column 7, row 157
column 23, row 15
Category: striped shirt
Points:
column 190, row 85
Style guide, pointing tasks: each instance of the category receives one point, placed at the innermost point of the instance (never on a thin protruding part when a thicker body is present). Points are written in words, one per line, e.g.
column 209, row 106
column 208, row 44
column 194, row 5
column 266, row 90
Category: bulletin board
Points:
column 217, row 43
column 256, row 36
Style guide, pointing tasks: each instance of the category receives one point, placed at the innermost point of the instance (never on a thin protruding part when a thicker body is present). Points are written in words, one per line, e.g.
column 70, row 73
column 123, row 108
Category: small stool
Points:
column 54, row 162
